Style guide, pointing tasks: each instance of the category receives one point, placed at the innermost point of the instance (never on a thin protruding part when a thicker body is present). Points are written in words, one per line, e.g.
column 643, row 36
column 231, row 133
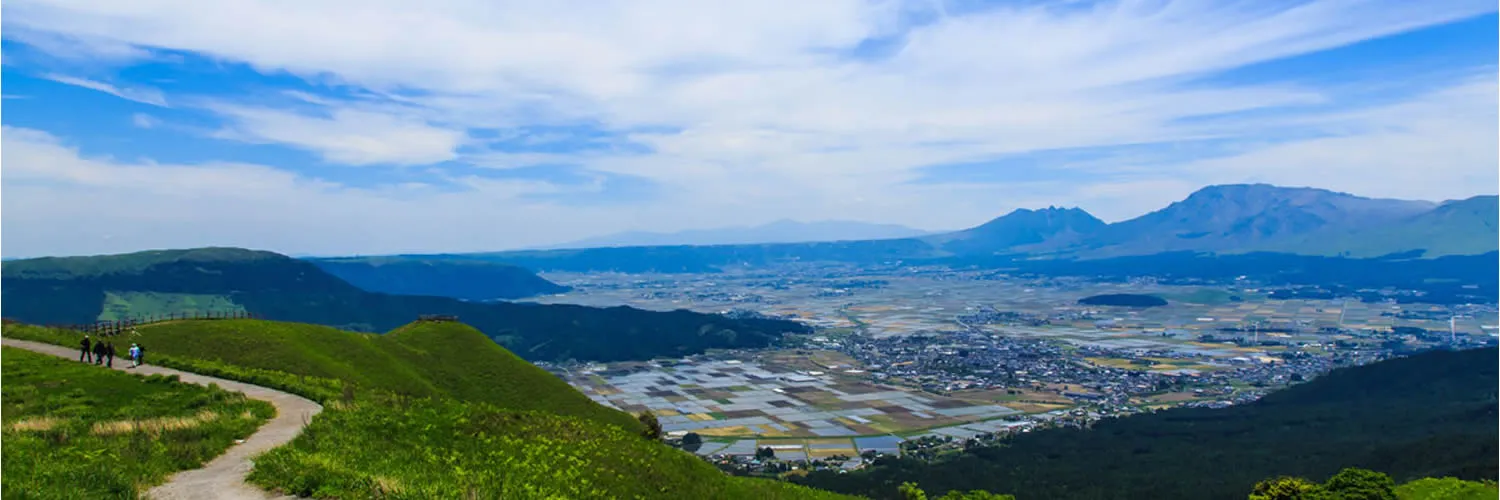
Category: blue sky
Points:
column 462, row 125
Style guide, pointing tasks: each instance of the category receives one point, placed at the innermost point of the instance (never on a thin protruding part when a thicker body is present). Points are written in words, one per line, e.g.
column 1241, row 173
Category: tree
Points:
column 692, row 441
column 910, row 491
column 975, row 495
column 765, row 453
column 653, row 426
column 1285, row 488
column 1361, row 484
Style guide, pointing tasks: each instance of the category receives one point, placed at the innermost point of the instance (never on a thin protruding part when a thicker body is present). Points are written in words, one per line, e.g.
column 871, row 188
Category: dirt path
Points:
column 223, row 477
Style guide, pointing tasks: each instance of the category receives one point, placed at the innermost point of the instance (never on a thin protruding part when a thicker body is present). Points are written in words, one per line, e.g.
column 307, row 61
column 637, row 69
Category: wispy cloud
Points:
column 144, row 95
column 346, row 136
column 774, row 109
column 143, row 120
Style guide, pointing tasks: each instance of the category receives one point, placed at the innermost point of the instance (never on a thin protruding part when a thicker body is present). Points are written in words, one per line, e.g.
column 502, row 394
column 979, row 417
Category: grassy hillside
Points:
column 421, row 359
column 1428, row 415
column 74, row 430
column 84, row 289
column 447, row 449
column 459, row 279
column 440, row 412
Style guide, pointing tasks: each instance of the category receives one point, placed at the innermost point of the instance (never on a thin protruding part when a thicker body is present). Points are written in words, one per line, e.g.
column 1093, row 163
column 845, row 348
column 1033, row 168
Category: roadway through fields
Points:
column 224, row 476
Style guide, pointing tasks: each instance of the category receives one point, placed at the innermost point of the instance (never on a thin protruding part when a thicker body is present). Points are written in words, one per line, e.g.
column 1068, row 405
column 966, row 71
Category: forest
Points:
column 1428, row 415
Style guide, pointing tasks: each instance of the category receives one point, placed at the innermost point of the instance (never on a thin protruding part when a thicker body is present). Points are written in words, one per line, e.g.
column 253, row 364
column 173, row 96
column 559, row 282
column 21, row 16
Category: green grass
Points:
column 422, row 359
column 439, row 412
column 429, row 448
column 55, row 451
column 131, row 305
column 1447, row 488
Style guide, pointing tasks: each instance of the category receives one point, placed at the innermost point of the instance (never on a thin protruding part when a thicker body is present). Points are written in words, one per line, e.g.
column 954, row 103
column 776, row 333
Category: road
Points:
column 224, row 476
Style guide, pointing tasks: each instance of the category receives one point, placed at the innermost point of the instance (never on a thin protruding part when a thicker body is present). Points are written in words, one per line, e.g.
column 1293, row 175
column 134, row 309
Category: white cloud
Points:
column 770, row 121
column 58, row 202
column 142, row 95
column 348, row 136
column 143, row 120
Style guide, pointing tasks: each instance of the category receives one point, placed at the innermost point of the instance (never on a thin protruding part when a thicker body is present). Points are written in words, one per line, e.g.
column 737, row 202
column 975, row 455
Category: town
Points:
column 924, row 363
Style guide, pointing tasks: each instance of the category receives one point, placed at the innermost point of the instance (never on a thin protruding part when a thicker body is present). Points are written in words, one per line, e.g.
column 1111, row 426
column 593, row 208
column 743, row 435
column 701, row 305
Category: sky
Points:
column 337, row 127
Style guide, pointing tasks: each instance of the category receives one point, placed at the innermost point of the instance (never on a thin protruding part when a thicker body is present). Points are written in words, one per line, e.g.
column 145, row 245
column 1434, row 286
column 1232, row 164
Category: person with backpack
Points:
column 109, row 355
column 135, row 355
column 99, row 353
column 83, row 354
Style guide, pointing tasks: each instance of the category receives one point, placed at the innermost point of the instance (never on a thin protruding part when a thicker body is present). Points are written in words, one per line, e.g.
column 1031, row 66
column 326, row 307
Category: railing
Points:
column 116, row 327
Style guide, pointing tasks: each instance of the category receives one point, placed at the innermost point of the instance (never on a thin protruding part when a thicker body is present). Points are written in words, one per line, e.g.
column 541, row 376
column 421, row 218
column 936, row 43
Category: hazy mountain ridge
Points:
column 468, row 280
column 76, row 290
column 1246, row 217
column 781, row 231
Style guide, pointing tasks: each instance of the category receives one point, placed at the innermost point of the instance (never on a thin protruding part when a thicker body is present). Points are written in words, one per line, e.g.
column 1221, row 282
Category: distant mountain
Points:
column 1244, row 217
column 1214, row 221
column 1020, row 228
column 468, row 280
column 1461, row 227
column 782, row 231
column 79, row 290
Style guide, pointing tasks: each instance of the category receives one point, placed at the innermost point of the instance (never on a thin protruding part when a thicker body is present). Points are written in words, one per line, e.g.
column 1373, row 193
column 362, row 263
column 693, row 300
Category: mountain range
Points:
column 1216, row 220
column 781, row 231
column 82, row 290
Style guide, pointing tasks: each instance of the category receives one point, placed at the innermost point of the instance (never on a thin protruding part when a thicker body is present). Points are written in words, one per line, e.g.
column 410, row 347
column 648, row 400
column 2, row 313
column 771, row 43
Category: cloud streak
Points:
column 142, row 95
column 765, row 110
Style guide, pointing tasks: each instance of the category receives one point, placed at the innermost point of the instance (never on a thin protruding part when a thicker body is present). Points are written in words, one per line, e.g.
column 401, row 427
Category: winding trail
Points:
column 224, row 476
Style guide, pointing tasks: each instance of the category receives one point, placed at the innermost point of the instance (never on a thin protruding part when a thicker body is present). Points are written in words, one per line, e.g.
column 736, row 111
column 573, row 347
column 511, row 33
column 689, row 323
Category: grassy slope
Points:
column 129, row 305
column 445, row 449
column 422, row 359
column 70, row 461
column 440, row 447
column 1447, row 488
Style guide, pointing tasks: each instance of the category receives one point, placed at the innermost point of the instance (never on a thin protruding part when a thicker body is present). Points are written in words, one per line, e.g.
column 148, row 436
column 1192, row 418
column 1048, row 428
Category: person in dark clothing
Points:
column 109, row 355
column 98, row 353
column 83, row 353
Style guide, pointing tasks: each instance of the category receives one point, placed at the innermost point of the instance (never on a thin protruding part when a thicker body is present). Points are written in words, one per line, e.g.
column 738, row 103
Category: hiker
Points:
column 99, row 353
column 83, row 354
column 109, row 355
column 135, row 355
column 140, row 355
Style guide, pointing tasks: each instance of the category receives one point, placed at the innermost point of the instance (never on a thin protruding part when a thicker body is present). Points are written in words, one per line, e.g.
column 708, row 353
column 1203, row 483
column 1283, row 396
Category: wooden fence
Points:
column 116, row 327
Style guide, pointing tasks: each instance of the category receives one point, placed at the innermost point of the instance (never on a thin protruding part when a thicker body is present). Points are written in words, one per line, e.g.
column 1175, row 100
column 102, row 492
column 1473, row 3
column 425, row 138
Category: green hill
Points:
column 1428, row 415
column 459, row 279
column 447, row 449
column 423, row 359
column 77, row 290
column 438, row 412
column 74, row 430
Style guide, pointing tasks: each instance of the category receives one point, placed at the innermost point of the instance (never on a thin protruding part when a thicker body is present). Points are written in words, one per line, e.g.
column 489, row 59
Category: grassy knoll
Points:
column 73, row 430
column 128, row 305
column 432, row 448
column 1447, row 488
column 421, row 359
column 438, row 411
